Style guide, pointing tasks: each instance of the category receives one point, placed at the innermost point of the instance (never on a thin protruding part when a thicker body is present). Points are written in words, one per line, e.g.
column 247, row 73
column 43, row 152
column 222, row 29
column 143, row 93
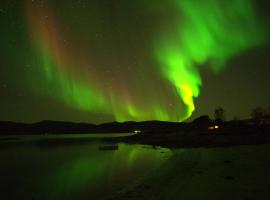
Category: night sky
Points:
column 120, row 60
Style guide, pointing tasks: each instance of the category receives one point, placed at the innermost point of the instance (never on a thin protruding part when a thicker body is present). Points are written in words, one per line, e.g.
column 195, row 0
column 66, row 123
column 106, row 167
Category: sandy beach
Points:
column 237, row 172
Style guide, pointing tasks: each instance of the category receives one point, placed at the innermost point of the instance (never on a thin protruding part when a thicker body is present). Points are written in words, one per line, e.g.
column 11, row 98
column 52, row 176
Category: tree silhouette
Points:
column 261, row 115
column 258, row 113
column 219, row 114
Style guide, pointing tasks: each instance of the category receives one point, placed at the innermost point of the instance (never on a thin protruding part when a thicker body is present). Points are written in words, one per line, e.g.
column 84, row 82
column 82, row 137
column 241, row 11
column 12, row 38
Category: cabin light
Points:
column 213, row 127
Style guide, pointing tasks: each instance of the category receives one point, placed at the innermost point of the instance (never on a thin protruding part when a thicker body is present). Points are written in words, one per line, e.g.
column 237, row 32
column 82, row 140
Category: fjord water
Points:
column 53, row 169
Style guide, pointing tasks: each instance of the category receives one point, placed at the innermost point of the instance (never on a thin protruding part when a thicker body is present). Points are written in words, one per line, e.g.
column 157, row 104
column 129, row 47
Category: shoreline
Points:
column 173, row 140
column 166, row 140
column 239, row 172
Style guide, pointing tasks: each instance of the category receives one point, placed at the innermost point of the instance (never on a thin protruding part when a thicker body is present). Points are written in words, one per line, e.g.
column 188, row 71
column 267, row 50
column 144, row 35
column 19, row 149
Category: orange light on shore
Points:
column 213, row 127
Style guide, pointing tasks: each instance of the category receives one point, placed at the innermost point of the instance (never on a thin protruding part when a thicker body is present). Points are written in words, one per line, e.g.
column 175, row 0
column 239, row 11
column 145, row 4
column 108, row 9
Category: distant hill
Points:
column 198, row 126
column 48, row 126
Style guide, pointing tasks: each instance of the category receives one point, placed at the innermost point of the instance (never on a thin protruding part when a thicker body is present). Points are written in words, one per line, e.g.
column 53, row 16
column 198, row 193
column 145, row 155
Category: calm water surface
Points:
column 72, row 170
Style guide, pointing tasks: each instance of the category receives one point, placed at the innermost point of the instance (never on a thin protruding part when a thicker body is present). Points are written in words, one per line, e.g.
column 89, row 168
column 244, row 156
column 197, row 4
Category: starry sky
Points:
column 117, row 60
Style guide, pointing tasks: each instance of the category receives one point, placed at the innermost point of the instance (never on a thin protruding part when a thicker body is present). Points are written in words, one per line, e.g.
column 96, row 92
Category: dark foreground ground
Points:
column 214, row 165
column 211, row 166
column 236, row 173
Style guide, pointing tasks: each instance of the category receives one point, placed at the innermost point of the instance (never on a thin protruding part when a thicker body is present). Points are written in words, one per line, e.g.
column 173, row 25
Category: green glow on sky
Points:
column 82, row 173
column 54, row 66
column 207, row 31
column 72, row 91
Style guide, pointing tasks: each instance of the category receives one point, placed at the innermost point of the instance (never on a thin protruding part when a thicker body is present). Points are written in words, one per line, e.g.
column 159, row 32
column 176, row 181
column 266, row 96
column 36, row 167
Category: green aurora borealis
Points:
column 121, row 60
column 207, row 32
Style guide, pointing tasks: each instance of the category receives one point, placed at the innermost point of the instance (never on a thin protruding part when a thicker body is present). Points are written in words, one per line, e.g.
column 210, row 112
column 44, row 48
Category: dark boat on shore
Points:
column 108, row 148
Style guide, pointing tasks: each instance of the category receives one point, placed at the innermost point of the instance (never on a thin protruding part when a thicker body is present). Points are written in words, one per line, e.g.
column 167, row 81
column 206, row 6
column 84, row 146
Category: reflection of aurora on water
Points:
column 102, row 170
column 154, row 75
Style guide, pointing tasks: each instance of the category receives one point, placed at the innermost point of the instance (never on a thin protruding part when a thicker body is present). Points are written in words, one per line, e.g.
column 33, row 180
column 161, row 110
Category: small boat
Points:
column 108, row 148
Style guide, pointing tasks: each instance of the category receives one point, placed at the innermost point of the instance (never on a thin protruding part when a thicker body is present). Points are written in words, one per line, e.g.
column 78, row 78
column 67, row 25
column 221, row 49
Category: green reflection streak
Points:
column 76, row 176
column 207, row 31
column 100, row 169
